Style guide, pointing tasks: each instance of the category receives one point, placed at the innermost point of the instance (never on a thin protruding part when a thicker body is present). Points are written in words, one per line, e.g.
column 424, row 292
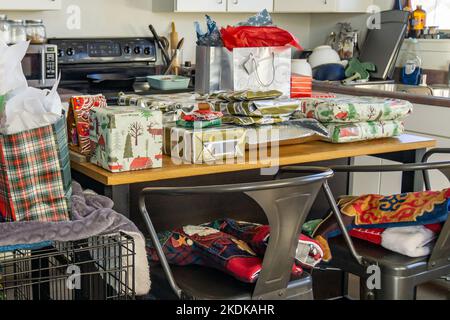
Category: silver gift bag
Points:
column 259, row 69
column 208, row 69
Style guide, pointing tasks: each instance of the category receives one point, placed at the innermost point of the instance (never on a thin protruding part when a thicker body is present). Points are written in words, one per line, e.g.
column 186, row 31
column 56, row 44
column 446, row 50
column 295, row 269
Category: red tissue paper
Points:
column 249, row 36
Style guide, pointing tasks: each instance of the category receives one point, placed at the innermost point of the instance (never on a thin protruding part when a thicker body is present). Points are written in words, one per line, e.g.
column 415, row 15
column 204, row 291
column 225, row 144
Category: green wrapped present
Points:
column 356, row 109
column 246, row 95
column 253, row 121
column 261, row 108
column 351, row 132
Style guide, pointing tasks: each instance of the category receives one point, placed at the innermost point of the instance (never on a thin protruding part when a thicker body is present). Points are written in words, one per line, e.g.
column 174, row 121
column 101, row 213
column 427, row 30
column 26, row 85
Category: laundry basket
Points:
column 98, row 268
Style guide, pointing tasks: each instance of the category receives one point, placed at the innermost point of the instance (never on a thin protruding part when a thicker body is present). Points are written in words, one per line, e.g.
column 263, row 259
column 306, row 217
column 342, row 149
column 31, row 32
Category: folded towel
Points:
column 415, row 241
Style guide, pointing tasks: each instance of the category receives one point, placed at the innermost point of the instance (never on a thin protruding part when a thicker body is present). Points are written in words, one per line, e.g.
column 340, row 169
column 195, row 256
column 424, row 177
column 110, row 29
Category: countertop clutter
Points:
column 92, row 129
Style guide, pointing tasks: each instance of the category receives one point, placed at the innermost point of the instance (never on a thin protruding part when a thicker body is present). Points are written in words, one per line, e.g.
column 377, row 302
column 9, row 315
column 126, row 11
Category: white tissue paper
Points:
column 26, row 108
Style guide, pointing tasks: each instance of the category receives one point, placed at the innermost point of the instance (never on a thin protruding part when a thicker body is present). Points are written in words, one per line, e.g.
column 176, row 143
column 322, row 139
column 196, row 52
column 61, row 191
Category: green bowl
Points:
column 168, row 82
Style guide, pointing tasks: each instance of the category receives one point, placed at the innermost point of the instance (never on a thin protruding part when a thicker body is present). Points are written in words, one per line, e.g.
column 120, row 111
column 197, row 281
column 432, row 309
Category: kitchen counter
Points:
column 350, row 90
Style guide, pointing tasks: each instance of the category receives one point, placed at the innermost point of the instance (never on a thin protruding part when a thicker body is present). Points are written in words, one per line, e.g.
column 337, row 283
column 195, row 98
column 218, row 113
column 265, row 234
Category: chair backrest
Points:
column 285, row 202
column 441, row 251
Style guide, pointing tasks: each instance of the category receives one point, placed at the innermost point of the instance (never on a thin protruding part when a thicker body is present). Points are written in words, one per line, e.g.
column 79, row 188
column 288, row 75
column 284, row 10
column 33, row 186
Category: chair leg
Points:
column 393, row 288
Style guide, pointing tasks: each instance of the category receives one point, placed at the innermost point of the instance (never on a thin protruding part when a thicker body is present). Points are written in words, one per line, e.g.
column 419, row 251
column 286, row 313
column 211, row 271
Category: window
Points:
column 438, row 12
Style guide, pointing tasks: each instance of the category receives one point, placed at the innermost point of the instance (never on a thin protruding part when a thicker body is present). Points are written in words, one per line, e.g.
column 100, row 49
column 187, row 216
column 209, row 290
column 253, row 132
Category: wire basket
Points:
column 98, row 268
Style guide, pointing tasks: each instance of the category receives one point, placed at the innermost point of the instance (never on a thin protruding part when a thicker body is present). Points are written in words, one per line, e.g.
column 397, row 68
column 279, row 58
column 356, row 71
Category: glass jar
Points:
column 18, row 31
column 36, row 32
column 5, row 33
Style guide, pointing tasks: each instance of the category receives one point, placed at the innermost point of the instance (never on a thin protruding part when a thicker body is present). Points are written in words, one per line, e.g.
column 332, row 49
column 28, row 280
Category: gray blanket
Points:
column 92, row 215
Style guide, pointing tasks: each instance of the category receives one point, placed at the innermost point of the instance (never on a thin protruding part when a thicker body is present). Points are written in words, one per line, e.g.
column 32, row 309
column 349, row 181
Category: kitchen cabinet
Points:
column 30, row 5
column 200, row 5
column 249, row 5
column 325, row 6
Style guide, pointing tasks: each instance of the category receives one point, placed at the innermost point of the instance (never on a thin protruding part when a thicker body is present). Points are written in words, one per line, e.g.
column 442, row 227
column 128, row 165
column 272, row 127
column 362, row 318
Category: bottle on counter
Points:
column 5, row 33
column 419, row 20
column 412, row 67
column 408, row 8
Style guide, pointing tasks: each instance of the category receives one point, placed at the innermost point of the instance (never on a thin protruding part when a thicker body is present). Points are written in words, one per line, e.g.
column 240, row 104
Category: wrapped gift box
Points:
column 126, row 138
column 78, row 121
column 205, row 145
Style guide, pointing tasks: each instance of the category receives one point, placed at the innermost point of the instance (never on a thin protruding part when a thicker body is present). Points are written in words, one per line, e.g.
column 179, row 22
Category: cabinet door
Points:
column 249, row 5
column 200, row 5
column 305, row 5
column 30, row 4
column 353, row 5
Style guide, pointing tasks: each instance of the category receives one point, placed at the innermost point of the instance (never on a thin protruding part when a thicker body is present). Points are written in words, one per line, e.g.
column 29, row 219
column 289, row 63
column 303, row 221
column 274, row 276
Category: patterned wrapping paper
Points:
column 126, row 138
column 253, row 121
column 206, row 145
column 78, row 120
column 351, row 132
column 356, row 109
column 35, row 177
column 259, row 108
column 246, row 95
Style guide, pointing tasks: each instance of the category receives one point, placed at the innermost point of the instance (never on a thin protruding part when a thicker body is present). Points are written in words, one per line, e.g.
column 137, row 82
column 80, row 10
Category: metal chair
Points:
column 286, row 203
column 400, row 274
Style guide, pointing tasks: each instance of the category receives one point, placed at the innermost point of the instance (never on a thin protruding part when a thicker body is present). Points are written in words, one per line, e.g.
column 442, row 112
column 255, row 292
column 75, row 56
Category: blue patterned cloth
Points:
column 261, row 19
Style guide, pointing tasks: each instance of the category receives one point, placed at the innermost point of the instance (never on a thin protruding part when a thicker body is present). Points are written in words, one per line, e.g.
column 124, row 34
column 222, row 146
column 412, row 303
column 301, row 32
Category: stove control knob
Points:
column 127, row 50
column 147, row 51
column 70, row 52
column 137, row 50
column 60, row 53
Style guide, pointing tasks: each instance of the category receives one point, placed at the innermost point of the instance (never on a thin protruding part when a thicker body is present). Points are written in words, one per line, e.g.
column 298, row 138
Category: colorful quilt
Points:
column 309, row 253
column 356, row 109
column 194, row 245
column 352, row 132
column 377, row 211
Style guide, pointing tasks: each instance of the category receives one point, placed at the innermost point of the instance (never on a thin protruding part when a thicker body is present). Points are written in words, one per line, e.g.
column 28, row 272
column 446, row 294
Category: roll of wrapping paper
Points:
column 2, row 104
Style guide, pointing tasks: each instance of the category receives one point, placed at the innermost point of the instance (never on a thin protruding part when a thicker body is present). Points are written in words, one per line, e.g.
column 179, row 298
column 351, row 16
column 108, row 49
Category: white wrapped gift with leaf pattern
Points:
column 356, row 109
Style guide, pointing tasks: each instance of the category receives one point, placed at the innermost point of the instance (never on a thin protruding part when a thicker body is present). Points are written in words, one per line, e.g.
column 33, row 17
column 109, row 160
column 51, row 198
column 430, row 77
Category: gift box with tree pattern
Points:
column 126, row 138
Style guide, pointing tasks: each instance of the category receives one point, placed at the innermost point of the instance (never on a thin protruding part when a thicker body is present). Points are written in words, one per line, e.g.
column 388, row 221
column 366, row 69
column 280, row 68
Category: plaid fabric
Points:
column 35, row 179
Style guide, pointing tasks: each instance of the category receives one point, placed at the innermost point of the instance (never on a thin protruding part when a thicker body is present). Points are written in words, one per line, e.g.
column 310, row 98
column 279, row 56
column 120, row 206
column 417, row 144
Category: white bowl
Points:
column 301, row 67
column 323, row 55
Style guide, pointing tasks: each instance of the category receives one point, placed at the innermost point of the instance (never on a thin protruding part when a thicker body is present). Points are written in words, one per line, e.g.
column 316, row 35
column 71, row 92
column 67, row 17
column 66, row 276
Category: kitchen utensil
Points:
column 382, row 45
column 173, row 37
column 159, row 43
column 329, row 72
column 111, row 80
column 168, row 82
column 175, row 56
column 301, row 67
column 323, row 55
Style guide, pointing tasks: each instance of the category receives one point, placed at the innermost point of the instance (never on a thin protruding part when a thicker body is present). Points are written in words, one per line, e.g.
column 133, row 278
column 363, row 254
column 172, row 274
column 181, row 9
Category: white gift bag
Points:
column 258, row 69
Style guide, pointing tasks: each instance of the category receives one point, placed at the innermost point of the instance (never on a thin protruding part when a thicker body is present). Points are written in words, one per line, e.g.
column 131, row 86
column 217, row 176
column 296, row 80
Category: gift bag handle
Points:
column 258, row 78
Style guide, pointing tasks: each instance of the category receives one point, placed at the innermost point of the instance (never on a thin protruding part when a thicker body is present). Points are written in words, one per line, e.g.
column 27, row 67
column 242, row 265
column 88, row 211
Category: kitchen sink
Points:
column 435, row 90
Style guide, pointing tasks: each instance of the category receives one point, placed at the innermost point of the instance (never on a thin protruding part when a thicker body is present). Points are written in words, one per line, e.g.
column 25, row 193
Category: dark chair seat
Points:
column 389, row 262
column 210, row 284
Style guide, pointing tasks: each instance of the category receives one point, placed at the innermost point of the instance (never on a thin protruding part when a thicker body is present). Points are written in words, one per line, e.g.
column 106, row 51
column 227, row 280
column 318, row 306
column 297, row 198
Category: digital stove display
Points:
column 104, row 50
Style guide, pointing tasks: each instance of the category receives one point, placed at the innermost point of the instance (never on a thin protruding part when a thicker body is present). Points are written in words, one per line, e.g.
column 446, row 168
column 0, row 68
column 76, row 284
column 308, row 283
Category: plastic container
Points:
column 18, row 31
column 168, row 82
column 412, row 65
column 36, row 32
column 5, row 32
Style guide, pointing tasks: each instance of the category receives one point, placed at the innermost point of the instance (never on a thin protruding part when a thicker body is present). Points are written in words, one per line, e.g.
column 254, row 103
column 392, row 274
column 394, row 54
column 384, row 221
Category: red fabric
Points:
column 371, row 235
column 435, row 227
column 248, row 36
column 244, row 269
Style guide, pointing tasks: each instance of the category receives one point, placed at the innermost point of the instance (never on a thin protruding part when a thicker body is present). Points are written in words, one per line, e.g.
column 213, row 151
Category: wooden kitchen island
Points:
column 405, row 149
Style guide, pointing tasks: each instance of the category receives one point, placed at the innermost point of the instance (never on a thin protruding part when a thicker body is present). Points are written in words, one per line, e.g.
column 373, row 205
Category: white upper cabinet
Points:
column 30, row 5
column 249, row 5
column 321, row 5
column 200, row 5
column 305, row 5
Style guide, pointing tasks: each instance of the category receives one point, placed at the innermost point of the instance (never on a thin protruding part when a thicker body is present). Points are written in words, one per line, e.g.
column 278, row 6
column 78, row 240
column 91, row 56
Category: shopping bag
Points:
column 257, row 69
column 35, row 178
column 208, row 70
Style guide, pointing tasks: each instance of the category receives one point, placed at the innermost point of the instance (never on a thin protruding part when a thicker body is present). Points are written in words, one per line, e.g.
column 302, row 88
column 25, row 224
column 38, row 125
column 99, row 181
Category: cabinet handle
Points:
column 235, row 1
column 219, row 1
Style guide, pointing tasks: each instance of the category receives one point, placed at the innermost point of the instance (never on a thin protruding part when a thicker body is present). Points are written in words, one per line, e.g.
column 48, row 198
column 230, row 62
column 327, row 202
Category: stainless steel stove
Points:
column 130, row 57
